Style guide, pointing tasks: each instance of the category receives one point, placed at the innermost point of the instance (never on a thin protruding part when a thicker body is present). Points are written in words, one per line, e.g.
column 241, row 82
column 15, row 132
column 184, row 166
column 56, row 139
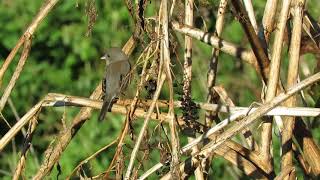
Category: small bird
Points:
column 115, row 80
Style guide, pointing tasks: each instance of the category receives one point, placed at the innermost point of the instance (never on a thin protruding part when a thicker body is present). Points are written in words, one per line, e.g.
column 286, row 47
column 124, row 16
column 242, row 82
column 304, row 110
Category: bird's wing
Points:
column 114, row 82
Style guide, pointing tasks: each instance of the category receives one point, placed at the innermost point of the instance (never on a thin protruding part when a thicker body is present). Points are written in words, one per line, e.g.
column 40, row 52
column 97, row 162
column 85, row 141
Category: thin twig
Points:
column 16, row 74
column 221, row 138
column 26, row 146
column 90, row 157
column 209, row 38
column 247, row 134
column 24, row 132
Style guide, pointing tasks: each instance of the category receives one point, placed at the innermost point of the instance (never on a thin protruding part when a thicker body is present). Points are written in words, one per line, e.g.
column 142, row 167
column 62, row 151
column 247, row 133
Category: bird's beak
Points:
column 105, row 58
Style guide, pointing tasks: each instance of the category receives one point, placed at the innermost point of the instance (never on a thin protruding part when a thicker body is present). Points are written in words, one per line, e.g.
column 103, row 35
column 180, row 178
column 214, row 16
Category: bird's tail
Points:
column 105, row 108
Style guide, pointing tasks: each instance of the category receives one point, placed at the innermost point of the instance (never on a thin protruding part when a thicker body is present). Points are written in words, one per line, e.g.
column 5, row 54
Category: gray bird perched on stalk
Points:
column 115, row 80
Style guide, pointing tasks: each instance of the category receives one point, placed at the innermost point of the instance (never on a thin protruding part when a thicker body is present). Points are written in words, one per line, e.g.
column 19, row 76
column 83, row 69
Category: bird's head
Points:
column 114, row 55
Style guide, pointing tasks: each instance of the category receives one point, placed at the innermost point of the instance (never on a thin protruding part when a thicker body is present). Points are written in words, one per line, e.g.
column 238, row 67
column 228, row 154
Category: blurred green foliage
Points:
column 64, row 59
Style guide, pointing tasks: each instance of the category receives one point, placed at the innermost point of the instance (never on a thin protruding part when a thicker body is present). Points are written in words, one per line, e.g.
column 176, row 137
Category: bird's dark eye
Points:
column 108, row 55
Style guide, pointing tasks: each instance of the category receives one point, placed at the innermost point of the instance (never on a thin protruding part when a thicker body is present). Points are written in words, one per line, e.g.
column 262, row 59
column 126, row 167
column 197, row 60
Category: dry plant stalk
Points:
column 266, row 133
column 16, row 74
column 268, row 19
column 18, row 126
column 212, row 97
column 58, row 100
column 243, row 54
column 292, row 78
column 26, row 146
column 247, row 134
column 249, row 8
column 256, row 45
column 187, row 79
column 212, row 73
column 165, row 58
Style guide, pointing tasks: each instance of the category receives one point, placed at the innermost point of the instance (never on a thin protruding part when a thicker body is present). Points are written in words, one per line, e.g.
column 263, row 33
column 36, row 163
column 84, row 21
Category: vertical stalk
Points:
column 256, row 45
column 212, row 74
column 250, row 11
column 268, row 18
column 187, row 75
column 266, row 134
column 294, row 56
column 165, row 58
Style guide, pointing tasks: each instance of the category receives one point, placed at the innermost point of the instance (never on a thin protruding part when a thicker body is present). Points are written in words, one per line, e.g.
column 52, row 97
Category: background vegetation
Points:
column 65, row 59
